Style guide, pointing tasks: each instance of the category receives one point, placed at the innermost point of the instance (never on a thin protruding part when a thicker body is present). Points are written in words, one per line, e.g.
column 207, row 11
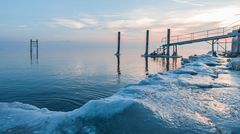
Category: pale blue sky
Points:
column 99, row 20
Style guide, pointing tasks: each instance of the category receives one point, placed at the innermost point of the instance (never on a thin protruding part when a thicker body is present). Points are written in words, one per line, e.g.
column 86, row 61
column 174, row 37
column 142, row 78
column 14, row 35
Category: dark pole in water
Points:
column 167, row 65
column 176, row 50
column 225, row 46
column 146, row 66
column 118, row 65
column 37, row 48
column 213, row 47
column 31, row 48
column 119, row 43
column 147, row 42
column 213, row 51
column 168, row 42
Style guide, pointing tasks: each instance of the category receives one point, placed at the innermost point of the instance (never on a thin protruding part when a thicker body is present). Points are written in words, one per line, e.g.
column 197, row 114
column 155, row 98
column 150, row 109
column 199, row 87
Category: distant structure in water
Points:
column 34, row 48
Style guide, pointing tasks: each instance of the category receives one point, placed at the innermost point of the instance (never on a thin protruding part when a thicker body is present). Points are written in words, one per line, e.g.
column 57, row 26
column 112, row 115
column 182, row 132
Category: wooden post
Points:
column 225, row 46
column 213, row 51
column 164, row 50
column 119, row 43
column 176, row 50
column 173, row 49
column 167, row 65
column 118, row 65
column 37, row 47
column 168, row 42
column 146, row 66
column 147, row 42
column 31, row 48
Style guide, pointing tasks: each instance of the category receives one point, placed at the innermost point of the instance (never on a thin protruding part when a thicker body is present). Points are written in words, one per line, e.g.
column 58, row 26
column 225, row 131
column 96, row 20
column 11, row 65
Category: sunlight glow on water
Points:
column 67, row 76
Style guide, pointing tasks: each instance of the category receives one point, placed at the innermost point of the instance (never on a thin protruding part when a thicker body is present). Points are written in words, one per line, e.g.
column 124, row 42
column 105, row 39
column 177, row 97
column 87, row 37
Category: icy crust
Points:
column 192, row 99
column 234, row 64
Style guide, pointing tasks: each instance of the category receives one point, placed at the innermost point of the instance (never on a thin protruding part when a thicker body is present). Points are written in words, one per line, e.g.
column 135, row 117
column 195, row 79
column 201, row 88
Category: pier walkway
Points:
column 202, row 36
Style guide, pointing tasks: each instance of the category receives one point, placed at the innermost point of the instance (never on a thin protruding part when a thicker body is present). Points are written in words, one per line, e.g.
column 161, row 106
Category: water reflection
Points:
column 34, row 52
column 118, row 65
column 162, row 64
column 167, row 66
column 174, row 63
column 118, row 69
column 146, row 66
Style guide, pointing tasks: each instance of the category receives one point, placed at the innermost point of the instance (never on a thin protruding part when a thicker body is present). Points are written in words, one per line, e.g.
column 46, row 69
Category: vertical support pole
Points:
column 176, row 50
column 168, row 41
column 167, row 65
column 146, row 66
column 31, row 48
column 213, row 52
column 238, row 40
column 147, row 42
column 225, row 46
column 173, row 50
column 118, row 65
column 164, row 50
column 37, row 47
column 119, row 43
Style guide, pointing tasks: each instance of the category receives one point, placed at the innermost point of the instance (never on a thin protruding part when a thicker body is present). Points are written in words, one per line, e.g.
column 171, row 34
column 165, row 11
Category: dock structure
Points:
column 33, row 44
column 213, row 35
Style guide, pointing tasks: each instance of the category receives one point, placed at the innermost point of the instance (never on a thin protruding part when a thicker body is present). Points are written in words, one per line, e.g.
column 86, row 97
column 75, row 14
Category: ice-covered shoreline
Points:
column 196, row 98
column 234, row 64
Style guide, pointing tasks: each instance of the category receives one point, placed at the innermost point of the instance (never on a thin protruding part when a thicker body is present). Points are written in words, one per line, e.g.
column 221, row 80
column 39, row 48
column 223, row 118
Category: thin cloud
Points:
column 21, row 26
column 130, row 23
column 189, row 2
column 68, row 23
column 88, row 21
column 74, row 23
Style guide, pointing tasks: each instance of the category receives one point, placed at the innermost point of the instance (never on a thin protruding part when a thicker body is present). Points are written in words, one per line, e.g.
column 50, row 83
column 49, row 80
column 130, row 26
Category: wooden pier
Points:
column 213, row 35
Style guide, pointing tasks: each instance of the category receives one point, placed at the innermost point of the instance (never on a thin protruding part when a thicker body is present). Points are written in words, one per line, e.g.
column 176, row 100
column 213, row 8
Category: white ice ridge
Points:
column 195, row 98
column 234, row 64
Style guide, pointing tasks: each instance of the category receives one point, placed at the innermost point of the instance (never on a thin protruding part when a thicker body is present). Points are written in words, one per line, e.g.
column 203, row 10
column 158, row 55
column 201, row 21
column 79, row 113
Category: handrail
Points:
column 200, row 34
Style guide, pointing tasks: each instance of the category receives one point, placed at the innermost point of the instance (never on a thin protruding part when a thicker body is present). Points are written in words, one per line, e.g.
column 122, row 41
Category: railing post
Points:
column 168, row 41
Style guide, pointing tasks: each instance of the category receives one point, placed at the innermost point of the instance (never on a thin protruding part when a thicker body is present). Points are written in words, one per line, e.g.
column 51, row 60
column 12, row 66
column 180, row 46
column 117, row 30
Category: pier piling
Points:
column 147, row 42
column 168, row 41
column 213, row 46
column 119, row 43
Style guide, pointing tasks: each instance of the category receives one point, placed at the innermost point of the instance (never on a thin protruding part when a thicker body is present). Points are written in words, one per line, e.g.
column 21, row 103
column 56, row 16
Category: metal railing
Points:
column 200, row 35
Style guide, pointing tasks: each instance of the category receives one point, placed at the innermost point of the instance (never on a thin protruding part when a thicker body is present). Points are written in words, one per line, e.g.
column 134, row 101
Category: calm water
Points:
column 67, row 76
